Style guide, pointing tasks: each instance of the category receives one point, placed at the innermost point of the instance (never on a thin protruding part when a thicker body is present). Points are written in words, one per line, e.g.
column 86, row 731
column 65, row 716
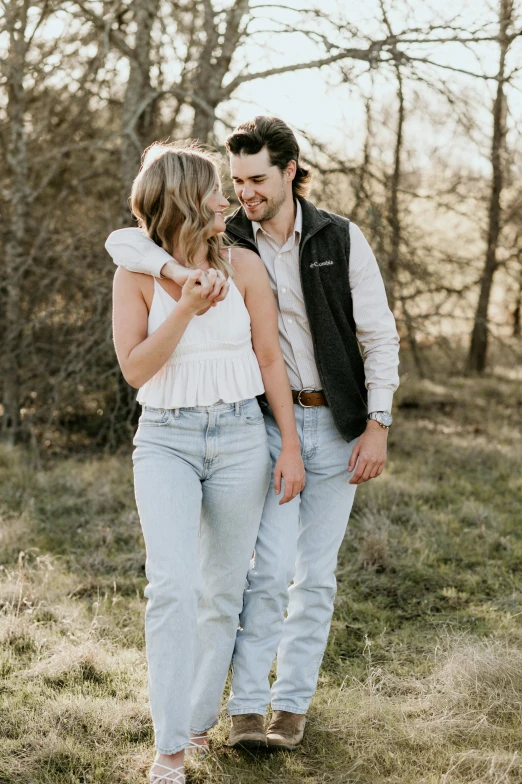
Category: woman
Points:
column 201, row 463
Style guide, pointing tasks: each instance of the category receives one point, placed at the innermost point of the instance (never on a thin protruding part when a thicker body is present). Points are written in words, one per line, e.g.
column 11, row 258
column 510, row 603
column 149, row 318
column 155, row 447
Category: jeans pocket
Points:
column 251, row 414
column 154, row 416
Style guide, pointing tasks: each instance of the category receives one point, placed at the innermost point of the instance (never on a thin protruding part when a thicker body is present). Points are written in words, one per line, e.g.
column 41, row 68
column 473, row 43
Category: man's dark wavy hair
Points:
column 250, row 137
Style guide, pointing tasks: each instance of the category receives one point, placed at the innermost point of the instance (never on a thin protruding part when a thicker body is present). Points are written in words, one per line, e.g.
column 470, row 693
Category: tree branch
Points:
column 367, row 55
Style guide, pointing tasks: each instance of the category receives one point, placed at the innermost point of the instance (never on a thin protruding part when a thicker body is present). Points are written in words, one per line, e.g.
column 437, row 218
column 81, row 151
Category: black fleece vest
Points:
column 324, row 254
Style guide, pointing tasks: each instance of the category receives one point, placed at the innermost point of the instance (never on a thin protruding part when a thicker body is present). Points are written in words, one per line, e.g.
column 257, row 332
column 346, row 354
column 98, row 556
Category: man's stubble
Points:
column 273, row 205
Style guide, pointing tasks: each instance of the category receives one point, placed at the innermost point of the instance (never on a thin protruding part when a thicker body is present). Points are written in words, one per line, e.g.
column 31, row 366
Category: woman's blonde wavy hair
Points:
column 169, row 198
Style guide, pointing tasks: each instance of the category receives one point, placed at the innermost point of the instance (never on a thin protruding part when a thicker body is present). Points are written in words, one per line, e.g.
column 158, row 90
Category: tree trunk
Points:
column 138, row 106
column 477, row 356
column 17, row 167
column 213, row 65
column 394, row 222
column 517, row 312
column 203, row 125
column 412, row 340
column 393, row 213
column 359, row 181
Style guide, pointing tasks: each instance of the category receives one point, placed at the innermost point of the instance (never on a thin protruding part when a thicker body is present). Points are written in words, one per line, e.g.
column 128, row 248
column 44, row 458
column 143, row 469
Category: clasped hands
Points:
column 212, row 285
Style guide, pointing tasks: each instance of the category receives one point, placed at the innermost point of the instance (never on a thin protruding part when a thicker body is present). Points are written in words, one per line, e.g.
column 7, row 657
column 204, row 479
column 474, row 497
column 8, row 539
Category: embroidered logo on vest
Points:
column 321, row 264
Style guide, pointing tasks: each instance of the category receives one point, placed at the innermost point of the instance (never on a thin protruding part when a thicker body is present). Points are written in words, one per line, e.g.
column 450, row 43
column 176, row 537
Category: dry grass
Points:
column 422, row 678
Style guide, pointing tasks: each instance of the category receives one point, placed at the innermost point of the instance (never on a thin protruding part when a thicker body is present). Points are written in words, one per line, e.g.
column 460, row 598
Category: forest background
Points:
column 409, row 114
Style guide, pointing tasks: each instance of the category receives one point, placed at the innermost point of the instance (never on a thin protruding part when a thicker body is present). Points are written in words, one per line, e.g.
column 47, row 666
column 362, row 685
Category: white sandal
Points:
column 198, row 749
column 171, row 775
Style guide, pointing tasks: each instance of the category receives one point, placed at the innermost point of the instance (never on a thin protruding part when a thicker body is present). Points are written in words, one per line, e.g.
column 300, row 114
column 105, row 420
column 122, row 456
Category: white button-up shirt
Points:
column 375, row 325
column 282, row 264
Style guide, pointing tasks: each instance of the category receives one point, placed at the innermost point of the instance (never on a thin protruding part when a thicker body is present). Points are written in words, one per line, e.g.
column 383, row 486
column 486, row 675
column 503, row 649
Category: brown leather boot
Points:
column 285, row 730
column 247, row 731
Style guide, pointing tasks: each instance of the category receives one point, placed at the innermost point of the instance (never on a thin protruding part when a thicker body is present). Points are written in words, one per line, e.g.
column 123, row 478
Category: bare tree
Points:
column 138, row 110
column 14, row 71
column 214, row 62
column 479, row 338
column 226, row 31
column 137, row 117
column 84, row 95
column 517, row 311
column 394, row 214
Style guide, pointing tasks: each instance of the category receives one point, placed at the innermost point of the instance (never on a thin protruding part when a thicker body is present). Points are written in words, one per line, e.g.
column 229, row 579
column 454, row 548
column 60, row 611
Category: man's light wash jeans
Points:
column 298, row 541
column 201, row 477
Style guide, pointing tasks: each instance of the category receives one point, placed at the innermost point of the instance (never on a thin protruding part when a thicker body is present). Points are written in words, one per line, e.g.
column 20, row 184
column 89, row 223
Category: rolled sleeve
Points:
column 133, row 249
column 375, row 324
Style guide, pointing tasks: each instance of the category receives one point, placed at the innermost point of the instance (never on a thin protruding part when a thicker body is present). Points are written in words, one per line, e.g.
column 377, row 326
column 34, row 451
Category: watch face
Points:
column 385, row 418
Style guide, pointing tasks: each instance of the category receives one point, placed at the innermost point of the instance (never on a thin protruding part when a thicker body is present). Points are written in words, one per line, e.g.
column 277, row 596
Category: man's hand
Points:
column 369, row 454
column 213, row 284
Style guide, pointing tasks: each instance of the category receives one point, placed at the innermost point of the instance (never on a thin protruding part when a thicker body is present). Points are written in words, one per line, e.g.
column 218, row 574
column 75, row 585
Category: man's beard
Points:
column 272, row 207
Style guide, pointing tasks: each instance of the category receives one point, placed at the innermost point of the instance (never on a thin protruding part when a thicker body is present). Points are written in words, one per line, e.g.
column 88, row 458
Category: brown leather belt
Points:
column 307, row 398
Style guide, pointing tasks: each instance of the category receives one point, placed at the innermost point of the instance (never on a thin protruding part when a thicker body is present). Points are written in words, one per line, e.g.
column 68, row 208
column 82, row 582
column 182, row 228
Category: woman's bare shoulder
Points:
column 240, row 254
column 245, row 261
column 132, row 284
column 124, row 278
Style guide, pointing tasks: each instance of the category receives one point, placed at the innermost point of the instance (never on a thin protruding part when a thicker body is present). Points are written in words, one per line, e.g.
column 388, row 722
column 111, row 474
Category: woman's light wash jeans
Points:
column 201, row 476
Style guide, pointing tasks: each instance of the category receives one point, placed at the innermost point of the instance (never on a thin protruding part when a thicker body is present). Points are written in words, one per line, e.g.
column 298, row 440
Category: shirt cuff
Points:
column 380, row 400
column 155, row 260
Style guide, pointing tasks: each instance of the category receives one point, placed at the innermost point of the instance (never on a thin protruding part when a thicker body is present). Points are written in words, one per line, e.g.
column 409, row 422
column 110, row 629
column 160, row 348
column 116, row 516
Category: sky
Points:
column 321, row 104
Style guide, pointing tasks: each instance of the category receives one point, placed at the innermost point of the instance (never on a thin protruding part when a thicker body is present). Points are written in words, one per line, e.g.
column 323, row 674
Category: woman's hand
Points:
column 290, row 468
column 196, row 298
column 211, row 282
column 214, row 286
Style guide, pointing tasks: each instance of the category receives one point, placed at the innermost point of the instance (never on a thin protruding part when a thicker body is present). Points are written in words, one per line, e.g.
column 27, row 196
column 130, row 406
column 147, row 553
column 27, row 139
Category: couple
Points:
column 266, row 359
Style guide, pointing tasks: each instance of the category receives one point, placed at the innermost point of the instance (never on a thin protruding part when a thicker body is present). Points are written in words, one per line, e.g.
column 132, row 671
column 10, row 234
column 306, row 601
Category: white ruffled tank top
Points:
column 214, row 360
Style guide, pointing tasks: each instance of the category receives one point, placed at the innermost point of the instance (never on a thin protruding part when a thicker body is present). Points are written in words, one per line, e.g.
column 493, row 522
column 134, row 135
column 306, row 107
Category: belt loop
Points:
column 176, row 413
column 237, row 408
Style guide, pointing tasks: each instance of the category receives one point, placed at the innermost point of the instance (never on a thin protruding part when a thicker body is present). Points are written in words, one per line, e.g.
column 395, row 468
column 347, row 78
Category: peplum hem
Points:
column 203, row 382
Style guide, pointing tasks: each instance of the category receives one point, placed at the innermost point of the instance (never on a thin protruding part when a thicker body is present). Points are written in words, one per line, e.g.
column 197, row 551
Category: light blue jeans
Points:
column 201, row 477
column 298, row 541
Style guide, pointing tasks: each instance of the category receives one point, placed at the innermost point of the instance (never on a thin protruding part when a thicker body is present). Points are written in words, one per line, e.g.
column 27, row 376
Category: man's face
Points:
column 262, row 189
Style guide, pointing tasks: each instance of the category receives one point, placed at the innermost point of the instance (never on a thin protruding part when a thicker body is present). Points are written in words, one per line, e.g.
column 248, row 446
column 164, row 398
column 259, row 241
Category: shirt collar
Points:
column 298, row 225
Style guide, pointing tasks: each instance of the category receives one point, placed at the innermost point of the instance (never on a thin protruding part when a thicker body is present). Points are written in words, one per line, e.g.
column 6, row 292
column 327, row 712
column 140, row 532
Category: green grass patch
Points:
column 422, row 676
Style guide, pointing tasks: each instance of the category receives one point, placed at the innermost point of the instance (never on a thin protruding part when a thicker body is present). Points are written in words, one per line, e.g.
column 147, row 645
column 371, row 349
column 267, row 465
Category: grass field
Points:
column 422, row 678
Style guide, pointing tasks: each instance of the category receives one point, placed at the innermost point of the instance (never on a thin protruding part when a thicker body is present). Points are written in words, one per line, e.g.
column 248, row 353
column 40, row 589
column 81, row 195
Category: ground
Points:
column 422, row 678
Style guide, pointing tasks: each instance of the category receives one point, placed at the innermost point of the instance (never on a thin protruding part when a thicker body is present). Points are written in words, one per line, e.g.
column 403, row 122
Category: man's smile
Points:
column 251, row 205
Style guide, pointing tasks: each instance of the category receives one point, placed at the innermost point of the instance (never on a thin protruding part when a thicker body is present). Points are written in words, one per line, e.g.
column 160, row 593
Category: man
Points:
column 332, row 308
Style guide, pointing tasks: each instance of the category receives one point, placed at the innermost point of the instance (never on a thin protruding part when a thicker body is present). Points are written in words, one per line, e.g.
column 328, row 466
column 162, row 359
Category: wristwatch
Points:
column 384, row 418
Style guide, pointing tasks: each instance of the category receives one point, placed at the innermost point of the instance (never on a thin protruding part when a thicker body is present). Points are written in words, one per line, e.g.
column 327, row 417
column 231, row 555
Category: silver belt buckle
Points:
column 308, row 389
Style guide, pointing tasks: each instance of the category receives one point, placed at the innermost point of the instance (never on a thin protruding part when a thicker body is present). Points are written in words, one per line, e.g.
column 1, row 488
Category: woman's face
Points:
column 218, row 203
